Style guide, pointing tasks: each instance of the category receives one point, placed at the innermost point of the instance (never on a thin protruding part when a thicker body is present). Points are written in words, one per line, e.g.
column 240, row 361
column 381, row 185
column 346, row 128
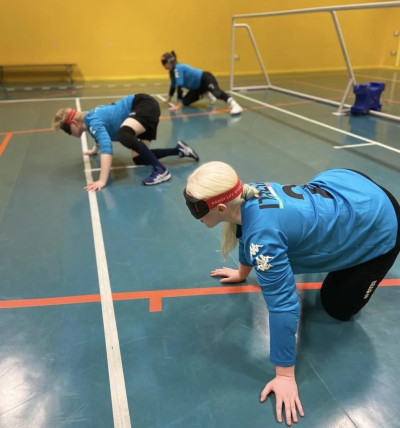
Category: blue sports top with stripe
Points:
column 185, row 76
column 104, row 121
column 337, row 220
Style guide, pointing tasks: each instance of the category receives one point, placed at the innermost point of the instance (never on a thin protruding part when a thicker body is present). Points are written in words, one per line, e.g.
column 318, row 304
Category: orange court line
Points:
column 162, row 117
column 8, row 136
column 49, row 301
column 155, row 296
column 315, row 85
column 27, row 131
column 4, row 143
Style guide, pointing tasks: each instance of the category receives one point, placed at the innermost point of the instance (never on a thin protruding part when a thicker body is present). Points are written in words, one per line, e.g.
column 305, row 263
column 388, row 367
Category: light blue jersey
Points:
column 186, row 76
column 104, row 121
column 337, row 220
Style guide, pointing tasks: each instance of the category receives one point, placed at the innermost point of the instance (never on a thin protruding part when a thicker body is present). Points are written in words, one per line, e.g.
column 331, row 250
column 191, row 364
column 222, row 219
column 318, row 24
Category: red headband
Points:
column 69, row 118
column 227, row 196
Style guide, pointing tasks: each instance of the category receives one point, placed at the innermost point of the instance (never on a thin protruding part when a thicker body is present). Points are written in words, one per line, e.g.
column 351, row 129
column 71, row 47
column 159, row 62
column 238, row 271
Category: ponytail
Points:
column 212, row 179
column 229, row 239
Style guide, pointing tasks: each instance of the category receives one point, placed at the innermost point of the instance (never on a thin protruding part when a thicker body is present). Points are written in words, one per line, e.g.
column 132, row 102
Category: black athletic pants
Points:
column 345, row 292
column 208, row 84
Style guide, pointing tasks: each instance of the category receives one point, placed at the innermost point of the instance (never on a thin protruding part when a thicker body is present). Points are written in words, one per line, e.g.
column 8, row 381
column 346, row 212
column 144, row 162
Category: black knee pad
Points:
column 127, row 137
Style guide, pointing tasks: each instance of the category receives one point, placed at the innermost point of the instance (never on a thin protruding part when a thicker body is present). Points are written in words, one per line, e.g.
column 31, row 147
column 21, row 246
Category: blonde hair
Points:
column 212, row 179
column 62, row 115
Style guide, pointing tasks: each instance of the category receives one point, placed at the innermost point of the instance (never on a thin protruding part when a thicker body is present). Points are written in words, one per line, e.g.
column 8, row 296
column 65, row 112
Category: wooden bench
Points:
column 67, row 67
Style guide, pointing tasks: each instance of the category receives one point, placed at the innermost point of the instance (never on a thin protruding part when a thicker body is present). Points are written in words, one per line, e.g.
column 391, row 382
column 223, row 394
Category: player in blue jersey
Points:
column 200, row 83
column 340, row 222
column 125, row 121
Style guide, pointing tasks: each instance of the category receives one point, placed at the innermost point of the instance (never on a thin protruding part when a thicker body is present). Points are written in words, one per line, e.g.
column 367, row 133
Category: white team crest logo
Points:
column 263, row 262
column 92, row 131
column 254, row 249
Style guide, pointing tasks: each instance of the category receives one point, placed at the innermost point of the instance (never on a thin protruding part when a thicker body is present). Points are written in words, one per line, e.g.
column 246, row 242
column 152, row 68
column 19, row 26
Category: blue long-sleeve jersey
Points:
column 104, row 121
column 185, row 76
column 337, row 220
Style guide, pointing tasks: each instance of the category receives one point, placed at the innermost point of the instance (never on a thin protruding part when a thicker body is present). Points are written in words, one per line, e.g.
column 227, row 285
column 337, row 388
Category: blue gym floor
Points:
column 107, row 311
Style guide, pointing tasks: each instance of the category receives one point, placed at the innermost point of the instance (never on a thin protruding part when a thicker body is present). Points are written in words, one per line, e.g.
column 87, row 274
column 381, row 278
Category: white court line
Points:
column 371, row 142
column 116, row 167
column 36, row 100
column 119, row 397
column 161, row 97
column 164, row 100
column 93, row 97
column 354, row 145
column 315, row 122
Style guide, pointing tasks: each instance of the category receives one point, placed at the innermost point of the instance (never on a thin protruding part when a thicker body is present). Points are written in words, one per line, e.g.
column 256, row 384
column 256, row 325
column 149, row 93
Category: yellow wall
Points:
column 125, row 38
column 310, row 42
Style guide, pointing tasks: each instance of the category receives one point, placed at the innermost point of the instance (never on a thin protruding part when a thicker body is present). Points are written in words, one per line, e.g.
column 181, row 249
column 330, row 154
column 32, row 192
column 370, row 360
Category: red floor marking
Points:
column 155, row 297
column 4, row 143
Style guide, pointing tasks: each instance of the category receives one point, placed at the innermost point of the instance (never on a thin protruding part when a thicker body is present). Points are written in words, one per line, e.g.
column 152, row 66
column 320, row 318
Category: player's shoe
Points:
column 234, row 106
column 186, row 151
column 157, row 176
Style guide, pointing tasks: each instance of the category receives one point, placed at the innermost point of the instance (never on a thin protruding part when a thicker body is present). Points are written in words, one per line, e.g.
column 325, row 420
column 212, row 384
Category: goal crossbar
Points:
column 328, row 9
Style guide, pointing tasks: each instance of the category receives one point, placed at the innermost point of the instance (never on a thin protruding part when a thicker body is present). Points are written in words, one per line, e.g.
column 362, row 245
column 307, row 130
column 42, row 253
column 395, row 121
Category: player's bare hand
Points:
column 96, row 185
column 287, row 397
column 90, row 152
column 228, row 275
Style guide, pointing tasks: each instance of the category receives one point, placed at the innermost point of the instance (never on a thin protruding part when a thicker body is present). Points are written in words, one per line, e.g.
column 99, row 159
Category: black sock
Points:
column 163, row 153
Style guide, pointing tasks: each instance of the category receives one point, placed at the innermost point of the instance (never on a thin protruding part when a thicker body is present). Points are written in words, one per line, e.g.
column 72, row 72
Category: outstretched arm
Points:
column 105, row 166
column 179, row 103
column 103, row 141
column 171, row 92
column 268, row 250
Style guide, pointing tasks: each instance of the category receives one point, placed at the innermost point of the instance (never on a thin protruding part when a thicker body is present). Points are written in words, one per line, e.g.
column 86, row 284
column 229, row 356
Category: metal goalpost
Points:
column 269, row 85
